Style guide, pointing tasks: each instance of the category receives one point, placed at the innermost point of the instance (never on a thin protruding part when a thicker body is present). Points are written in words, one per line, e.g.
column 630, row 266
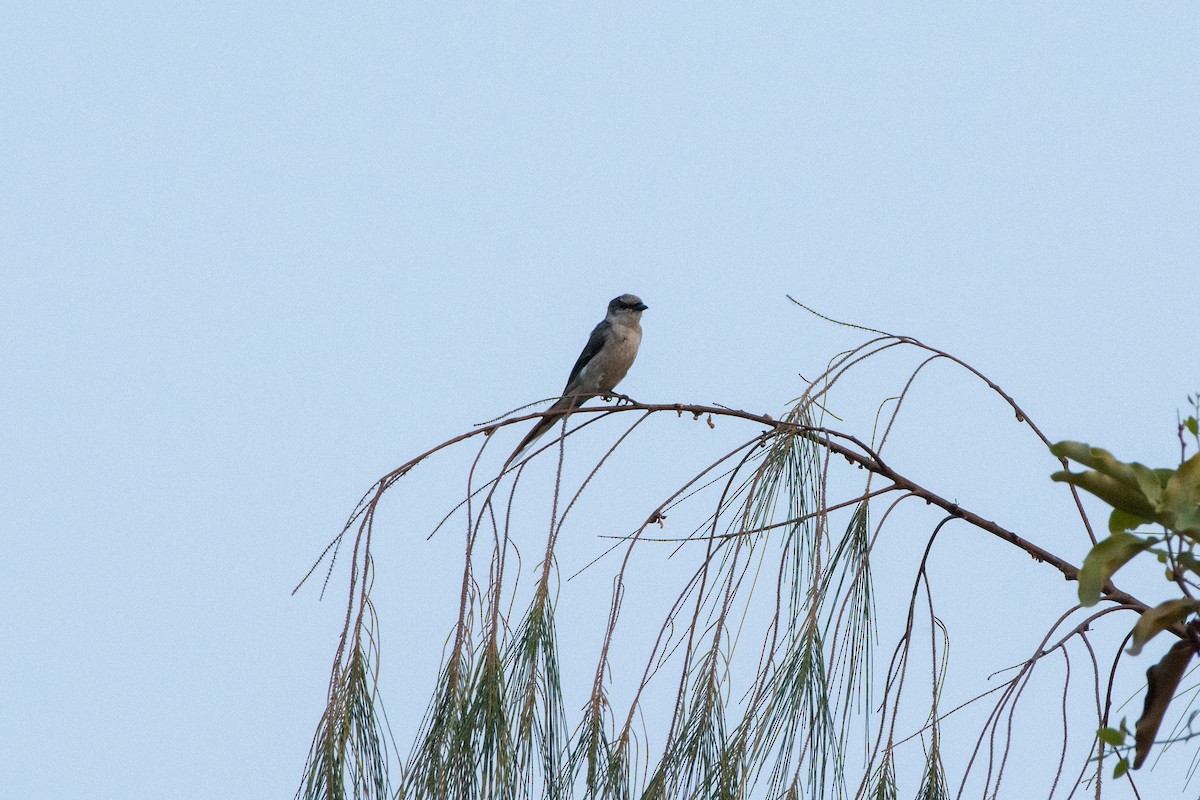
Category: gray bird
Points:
column 607, row 356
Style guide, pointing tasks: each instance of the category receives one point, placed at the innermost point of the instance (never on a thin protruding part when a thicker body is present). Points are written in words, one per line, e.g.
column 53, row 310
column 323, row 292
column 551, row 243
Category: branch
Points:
column 866, row 459
column 854, row 451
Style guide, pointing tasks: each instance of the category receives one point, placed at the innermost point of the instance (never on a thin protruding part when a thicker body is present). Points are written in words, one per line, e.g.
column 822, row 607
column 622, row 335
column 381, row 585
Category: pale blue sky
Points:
column 255, row 255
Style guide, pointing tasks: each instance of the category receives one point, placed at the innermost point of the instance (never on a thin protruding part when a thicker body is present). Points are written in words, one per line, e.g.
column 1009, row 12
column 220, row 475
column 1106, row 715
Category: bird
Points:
column 607, row 356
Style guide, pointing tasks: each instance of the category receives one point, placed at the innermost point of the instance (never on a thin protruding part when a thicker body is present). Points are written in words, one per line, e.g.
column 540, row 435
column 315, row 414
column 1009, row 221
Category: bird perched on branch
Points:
column 607, row 356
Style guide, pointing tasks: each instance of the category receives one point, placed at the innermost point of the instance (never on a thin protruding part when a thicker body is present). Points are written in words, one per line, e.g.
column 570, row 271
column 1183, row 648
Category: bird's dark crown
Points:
column 627, row 302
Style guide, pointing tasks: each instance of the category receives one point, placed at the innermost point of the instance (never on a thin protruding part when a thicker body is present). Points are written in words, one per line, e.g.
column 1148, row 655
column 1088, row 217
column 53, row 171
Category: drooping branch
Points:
column 848, row 447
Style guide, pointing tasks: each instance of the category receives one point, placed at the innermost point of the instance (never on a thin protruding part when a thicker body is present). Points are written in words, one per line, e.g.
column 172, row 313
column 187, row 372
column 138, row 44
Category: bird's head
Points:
column 627, row 307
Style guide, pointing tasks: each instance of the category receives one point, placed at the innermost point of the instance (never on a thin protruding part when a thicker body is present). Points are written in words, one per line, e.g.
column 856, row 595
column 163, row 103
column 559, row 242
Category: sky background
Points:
column 256, row 255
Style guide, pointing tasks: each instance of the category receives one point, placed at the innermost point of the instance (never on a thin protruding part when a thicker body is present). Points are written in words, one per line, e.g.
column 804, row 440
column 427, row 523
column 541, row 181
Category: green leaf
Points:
column 1159, row 618
column 1121, row 768
column 1096, row 458
column 1181, row 498
column 1149, row 481
column 1106, row 558
column 1188, row 562
column 1120, row 520
column 1161, row 682
column 1130, row 487
column 1075, row 451
column 1081, row 453
column 1111, row 736
column 1123, row 495
column 1192, row 426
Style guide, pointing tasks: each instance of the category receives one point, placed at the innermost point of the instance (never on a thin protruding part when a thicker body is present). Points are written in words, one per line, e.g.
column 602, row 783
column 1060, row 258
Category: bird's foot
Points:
column 621, row 399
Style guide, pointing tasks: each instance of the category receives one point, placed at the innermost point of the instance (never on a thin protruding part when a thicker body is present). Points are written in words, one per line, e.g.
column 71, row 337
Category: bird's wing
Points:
column 594, row 345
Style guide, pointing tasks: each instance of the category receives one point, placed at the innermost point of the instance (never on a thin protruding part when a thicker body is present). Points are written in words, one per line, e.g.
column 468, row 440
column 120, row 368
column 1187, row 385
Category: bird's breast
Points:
column 611, row 364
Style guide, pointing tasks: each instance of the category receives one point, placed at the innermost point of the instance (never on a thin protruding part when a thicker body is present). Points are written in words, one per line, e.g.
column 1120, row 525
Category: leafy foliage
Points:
column 1162, row 680
column 1142, row 496
column 347, row 759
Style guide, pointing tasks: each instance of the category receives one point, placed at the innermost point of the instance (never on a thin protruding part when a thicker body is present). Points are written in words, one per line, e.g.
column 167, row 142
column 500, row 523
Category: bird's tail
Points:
column 565, row 403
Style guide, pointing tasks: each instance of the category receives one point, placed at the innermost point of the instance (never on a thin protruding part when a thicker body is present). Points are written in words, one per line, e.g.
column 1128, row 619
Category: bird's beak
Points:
column 641, row 306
